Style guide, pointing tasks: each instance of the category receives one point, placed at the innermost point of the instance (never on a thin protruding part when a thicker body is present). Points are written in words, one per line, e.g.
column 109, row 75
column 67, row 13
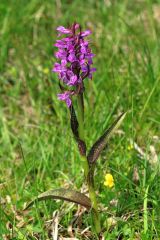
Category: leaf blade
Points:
column 74, row 126
column 63, row 194
column 100, row 144
column 74, row 122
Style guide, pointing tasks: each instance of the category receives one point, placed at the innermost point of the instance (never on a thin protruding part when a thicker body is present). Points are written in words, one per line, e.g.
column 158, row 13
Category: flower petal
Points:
column 64, row 30
column 86, row 33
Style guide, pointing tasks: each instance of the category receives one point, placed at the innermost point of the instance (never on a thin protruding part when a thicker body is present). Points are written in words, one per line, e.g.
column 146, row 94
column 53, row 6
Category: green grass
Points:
column 37, row 149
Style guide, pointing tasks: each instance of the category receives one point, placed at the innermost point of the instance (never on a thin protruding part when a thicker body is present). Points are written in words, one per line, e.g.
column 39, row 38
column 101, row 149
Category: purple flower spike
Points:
column 74, row 60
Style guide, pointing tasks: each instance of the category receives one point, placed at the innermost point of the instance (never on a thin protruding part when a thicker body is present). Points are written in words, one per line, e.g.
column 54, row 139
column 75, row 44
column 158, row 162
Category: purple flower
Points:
column 61, row 54
column 65, row 97
column 75, row 60
column 73, row 80
column 59, row 68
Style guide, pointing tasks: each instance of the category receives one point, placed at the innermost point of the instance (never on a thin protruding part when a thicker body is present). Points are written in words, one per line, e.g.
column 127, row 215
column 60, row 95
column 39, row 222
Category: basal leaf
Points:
column 63, row 194
column 100, row 144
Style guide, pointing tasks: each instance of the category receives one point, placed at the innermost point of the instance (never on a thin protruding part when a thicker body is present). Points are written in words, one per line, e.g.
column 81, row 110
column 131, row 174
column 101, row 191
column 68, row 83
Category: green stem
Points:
column 92, row 193
column 95, row 214
column 80, row 116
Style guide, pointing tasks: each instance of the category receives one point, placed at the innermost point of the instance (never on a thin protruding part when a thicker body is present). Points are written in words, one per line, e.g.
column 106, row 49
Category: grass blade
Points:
column 145, row 213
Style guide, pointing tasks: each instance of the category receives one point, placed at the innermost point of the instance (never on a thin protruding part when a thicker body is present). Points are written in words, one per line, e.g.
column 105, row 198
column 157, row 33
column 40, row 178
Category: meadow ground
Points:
column 37, row 149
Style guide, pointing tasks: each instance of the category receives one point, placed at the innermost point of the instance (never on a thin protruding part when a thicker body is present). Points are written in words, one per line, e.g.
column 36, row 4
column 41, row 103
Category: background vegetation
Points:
column 37, row 149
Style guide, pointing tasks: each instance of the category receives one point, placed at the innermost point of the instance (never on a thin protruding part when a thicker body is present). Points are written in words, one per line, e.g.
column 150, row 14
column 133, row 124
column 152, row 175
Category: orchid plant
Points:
column 74, row 65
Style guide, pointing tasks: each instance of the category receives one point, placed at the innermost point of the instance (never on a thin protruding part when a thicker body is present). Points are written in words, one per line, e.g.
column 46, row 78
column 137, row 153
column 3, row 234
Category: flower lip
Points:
column 73, row 80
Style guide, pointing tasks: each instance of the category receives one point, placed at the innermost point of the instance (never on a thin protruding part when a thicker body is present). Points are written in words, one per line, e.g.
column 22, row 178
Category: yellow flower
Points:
column 109, row 181
column 130, row 147
column 45, row 70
